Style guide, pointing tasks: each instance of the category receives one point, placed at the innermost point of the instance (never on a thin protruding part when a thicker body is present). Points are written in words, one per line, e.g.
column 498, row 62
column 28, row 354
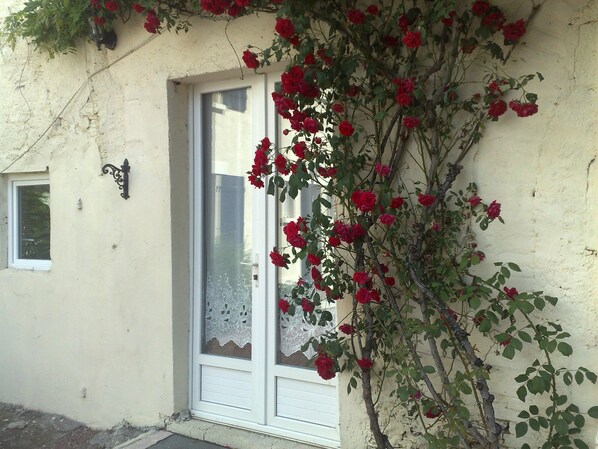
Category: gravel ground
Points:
column 27, row 429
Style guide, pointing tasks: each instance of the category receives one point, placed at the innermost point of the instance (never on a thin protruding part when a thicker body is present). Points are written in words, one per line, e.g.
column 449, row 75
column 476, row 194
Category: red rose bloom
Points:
column 373, row 10
column 412, row 39
column 138, row 8
column 363, row 296
column 313, row 259
column 497, row 108
column 95, row 4
column 523, row 109
column 493, row 210
column 111, row 5
column 479, row 8
column 283, row 305
column 338, row 108
column 433, row 412
column 250, row 59
column 514, row 31
column 364, row 200
column 310, row 125
column 355, row 16
column 99, row 20
column 396, row 202
column 345, row 128
column 279, row 260
column 390, row 281
column 325, row 366
column 426, row 200
column 411, row 122
column 334, row 241
column 152, row 23
column 346, row 329
column 307, row 305
column 387, row 219
column 510, row 292
column 365, row 363
column 284, row 27
column 382, row 170
column 361, row 277
column 242, row 3
column 474, row 201
column 494, row 20
column 309, row 59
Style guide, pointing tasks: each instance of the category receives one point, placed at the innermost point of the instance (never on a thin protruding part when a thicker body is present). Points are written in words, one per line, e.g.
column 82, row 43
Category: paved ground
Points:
column 26, row 429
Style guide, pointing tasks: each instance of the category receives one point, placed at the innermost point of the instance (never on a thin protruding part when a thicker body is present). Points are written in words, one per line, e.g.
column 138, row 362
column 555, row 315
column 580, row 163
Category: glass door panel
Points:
column 228, row 230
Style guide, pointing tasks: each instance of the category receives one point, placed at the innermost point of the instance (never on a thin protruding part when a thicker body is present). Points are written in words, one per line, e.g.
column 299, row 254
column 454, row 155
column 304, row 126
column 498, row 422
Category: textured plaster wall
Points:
column 111, row 316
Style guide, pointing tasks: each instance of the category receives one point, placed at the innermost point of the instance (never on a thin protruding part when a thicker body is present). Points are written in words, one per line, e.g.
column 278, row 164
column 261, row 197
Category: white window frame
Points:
column 14, row 183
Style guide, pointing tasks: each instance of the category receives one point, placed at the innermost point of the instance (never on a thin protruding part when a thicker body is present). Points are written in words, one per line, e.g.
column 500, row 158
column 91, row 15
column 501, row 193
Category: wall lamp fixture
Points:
column 107, row 38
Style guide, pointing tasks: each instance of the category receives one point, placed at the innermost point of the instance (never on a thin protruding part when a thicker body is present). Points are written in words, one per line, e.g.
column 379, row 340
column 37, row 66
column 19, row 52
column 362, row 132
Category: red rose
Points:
column 494, row 20
column 364, row 200
column 363, row 296
column 138, row 8
column 390, row 41
column 411, row 122
column 346, row 329
column 313, row 259
column 396, row 202
column 361, row 277
column 95, row 4
column 334, row 241
column 250, row 59
column 309, row 59
column 514, row 31
column 433, row 412
column 493, row 210
column 111, row 5
column 387, row 219
column 523, row 109
column 497, row 108
column 283, row 305
column 242, row 3
column 404, row 23
column 474, row 201
column 373, row 10
column 479, row 8
column 99, row 20
column 355, row 16
column 426, row 200
column 280, row 260
column 310, row 125
column 284, row 27
column 307, row 305
column 365, row 363
column 412, row 39
column 382, row 170
column 338, row 108
column 390, row 281
column 325, row 366
column 152, row 23
column 345, row 128
column 281, row 164
column 510, row 292
column 352, row 91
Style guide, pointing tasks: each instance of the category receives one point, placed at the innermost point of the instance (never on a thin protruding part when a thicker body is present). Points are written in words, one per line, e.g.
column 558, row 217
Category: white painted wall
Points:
column 111, row 316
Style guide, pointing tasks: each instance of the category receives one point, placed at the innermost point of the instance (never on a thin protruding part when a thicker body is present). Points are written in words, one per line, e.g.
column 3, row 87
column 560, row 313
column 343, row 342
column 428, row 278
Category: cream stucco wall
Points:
column 112, row 314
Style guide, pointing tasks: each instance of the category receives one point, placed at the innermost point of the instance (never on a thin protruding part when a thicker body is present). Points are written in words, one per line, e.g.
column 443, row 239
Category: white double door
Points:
column 248, row 367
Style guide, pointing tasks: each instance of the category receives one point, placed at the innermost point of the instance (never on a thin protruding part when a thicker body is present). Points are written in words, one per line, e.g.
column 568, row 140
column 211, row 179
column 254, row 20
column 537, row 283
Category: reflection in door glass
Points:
column 228, row 229
column 34, row 222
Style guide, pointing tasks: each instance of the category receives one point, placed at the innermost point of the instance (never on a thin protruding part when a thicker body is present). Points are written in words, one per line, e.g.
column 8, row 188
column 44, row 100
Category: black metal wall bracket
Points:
column 120, row 175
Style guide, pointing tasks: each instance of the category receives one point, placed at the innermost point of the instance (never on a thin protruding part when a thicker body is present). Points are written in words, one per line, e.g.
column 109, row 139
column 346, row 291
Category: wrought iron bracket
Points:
column 120, row 175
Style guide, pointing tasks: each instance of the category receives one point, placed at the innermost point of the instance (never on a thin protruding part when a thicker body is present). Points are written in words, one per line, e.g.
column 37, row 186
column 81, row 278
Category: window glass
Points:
column 33, row 222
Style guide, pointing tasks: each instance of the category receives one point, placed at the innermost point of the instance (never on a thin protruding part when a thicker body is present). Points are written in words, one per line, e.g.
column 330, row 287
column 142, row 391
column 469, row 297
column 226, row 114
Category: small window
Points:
column 29, row 223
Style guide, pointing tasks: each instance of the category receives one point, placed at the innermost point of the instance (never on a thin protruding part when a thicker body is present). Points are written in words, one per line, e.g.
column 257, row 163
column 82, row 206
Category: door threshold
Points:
column 243, row 435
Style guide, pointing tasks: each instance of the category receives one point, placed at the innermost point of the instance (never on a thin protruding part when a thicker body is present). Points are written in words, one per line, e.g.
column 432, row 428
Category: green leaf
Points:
column 534, row 424
column 485, row 325
column 509, row 352
column 579, row 377
column 565, row 349
column 522, row 393
column 514, row 266
column 591, row 376
column 520, row 429
column 579, row 421
column 525, row 336
column 593, row 412
column 561, row 426
column 580, row 444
